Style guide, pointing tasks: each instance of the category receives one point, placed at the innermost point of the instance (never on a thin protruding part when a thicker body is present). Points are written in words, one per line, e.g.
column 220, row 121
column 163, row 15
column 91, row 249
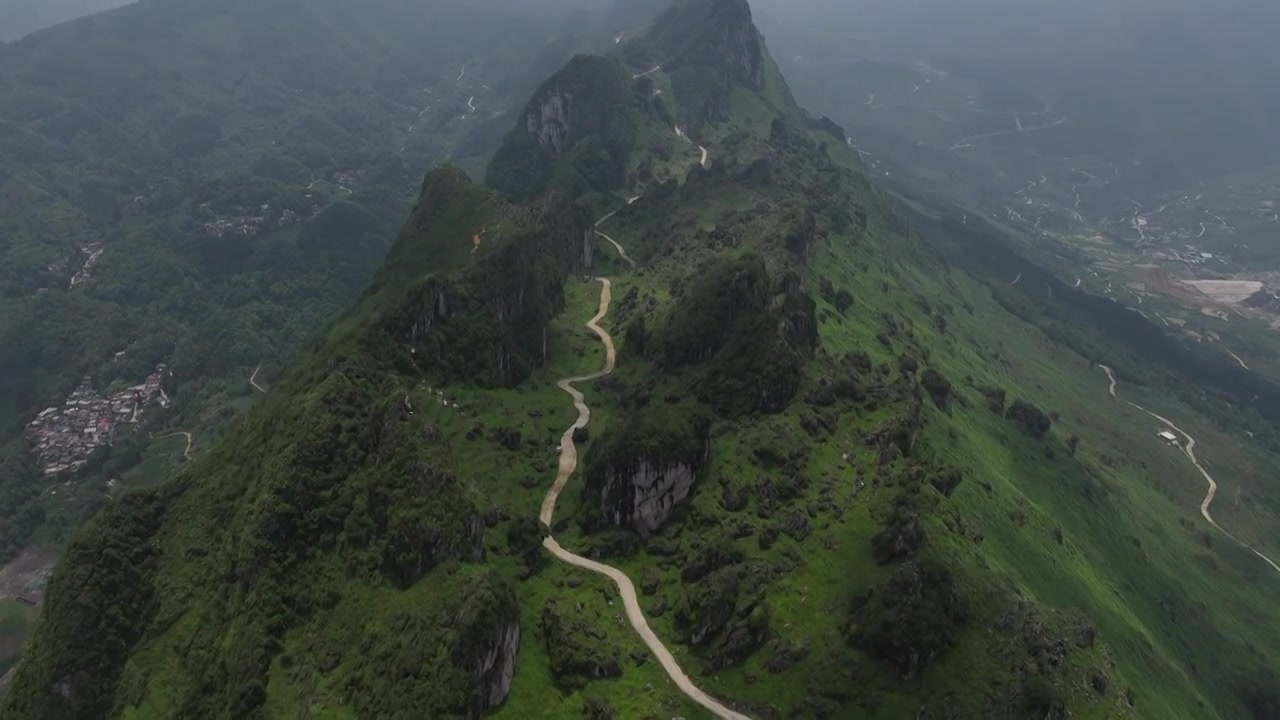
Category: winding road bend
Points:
column 569, row 463
column 650, row 71
column 185, row 453
column 1190, row 451
column 253, row 379
column 622, row 253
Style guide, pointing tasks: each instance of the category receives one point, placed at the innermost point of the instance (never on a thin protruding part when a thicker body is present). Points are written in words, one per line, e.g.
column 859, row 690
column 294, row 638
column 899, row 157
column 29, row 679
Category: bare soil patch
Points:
column 1227, row 292
column 23, row 576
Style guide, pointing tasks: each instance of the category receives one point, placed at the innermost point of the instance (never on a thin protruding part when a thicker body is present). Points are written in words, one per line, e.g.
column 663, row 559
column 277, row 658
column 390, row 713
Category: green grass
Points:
column 1072, row 565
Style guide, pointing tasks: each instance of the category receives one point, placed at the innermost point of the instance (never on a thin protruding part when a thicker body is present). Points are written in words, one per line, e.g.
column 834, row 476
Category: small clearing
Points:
column 21, row 577
column 1228, row 292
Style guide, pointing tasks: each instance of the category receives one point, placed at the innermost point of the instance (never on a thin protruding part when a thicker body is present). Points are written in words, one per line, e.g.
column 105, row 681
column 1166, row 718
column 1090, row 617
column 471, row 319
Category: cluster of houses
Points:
column 246, row 225
column 64, row 437
column 1188, row 254
column 250, row 225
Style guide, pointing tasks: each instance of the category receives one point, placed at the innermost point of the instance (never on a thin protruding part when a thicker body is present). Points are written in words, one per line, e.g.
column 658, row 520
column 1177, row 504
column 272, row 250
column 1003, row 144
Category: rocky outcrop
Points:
column 485, row 321
column 547, row 120
column 724, row 614
column 645, row 496
column 714, row 33
column 583, row 115
column 739, row 44
column 643, row 474
column 579, row 650
column 494, row 665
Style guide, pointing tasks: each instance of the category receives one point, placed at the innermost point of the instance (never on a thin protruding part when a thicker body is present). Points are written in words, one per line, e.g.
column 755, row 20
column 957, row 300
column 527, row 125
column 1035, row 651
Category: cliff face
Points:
column 717, row 34
column 493, row 663
column 484, row 321
column 644, row 495
column 584, row 116
column 547, row 120
column 736, row 41
column 641, row 476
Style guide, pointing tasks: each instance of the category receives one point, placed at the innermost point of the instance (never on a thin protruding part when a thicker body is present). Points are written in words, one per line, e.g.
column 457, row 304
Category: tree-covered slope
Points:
column 846, row 477
column 208, row 184
column 20, row 17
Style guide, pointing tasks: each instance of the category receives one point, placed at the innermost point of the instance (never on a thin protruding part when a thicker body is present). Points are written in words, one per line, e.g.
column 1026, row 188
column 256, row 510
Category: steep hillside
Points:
column 20, row 17
column 206, row 185
column 795, row 465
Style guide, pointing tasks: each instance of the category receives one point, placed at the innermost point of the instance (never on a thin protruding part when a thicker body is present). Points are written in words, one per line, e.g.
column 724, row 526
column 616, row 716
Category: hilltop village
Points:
column 63, row 437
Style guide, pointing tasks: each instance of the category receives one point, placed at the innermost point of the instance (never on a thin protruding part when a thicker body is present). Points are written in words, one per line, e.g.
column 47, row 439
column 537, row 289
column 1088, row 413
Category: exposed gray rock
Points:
column 547, row 120
column 495, row 665
column 645, row 497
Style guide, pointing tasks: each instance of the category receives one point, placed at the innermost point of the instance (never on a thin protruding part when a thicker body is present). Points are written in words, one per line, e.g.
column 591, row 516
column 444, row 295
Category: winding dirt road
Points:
column 650, row 71
column 622, row 253
column 185, row 453
column 680, row 133
column 969, row 141
column 1190, row 451
column 253, row 380
column 569, row 463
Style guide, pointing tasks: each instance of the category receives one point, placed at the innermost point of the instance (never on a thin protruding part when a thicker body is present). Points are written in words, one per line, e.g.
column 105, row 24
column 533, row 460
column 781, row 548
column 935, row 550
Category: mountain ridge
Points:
column 815, row 424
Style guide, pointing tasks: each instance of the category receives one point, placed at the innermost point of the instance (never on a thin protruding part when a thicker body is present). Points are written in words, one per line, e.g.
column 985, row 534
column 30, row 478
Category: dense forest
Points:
column 841, row 470
column 206, row 184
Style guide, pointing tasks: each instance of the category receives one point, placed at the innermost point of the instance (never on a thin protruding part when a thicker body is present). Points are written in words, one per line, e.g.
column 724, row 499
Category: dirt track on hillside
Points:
column 568, row 464
column 185, row 453
column 1189, row 450
column 253, row 379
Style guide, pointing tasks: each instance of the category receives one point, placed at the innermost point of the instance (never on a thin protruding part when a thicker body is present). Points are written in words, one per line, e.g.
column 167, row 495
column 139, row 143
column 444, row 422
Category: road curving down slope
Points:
column 569, row 463
column 1190, row 451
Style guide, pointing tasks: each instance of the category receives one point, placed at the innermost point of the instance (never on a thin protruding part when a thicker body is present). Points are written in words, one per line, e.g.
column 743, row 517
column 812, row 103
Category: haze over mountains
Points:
column 1186, row 87
column 601, row 360
column 21, row 17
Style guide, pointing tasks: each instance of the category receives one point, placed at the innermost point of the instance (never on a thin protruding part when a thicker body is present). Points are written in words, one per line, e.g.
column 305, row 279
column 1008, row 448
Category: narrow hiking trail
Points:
column 650, row 71
column 1190, row 451
column 622, row 253
column 477, row 239
column 680, row 133
column 1237, row 359
column 185, row 453
column 568, row 464
column 253, row 379
column 969, row 141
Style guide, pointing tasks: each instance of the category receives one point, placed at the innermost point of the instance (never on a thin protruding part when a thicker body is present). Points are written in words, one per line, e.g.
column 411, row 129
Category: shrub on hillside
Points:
column 1032, row 419
column 938, row 387
column 910, row 619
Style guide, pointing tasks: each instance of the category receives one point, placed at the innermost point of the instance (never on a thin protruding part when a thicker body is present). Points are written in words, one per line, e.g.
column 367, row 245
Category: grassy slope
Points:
column 1132, row 561
column 1173, row 613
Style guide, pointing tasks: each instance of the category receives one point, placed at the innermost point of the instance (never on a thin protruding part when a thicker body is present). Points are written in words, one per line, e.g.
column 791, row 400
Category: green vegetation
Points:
column 19, row 17
column 242, row 168
column 848, row 474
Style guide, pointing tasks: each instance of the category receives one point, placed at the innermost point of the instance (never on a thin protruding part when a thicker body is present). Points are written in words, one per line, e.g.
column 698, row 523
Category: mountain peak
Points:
column 712, row 32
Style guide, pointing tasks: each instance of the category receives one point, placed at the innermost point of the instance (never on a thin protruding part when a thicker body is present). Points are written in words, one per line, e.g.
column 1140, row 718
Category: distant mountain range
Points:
column 21, row 17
